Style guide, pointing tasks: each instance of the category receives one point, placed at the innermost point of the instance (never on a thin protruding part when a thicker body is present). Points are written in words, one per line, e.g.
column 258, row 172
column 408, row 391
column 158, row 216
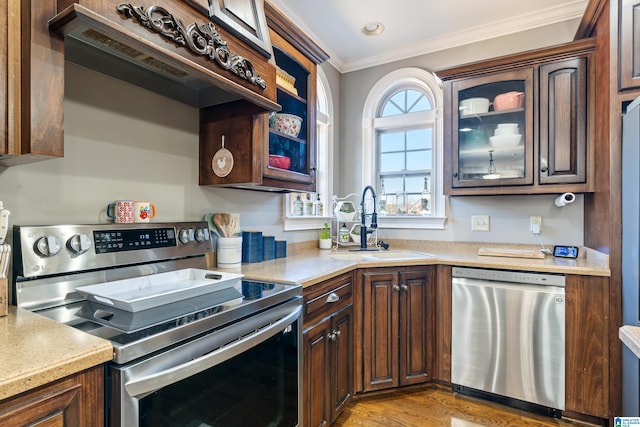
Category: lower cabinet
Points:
column 398, row 326
column 328, row 350
column 74, row 401
column 587, row 345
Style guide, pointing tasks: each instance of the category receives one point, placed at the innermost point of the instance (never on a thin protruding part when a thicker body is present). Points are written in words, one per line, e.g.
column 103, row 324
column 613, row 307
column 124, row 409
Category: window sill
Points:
column 296, row 223
column 412, row 222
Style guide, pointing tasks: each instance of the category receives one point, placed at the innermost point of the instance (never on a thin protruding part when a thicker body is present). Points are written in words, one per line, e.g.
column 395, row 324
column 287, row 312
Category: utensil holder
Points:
column 229, row 253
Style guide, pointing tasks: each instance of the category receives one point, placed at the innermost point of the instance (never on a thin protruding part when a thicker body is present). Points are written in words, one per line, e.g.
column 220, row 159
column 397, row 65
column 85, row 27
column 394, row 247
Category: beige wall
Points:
column 123, row 142
column 509, row 215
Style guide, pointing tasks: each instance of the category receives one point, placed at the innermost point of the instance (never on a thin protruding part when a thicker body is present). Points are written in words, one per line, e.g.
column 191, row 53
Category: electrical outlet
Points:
column 480, row 223
column 536, row 224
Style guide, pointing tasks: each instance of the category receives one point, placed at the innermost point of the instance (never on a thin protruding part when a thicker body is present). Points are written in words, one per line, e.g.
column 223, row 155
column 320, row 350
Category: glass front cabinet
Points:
column 245, row 147
column 493, row 142
column 520, row 124
column 291, row 146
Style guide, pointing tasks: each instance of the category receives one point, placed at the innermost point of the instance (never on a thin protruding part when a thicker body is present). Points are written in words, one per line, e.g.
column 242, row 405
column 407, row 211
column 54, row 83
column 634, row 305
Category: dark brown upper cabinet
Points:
column 31, row 84
column 629, row 44
column 520, row 124
column 263, row 157
column 167, row 46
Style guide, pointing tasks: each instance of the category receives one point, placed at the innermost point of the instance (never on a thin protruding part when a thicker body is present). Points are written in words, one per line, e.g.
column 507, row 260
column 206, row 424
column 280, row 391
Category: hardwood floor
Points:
column 435, row 407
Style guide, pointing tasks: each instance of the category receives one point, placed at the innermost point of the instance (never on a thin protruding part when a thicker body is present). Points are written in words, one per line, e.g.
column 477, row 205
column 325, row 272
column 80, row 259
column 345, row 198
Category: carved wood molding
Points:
column 203, row 40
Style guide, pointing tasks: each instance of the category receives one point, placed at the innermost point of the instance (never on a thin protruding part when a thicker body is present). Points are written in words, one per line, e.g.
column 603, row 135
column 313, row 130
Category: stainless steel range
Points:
column 192, row 347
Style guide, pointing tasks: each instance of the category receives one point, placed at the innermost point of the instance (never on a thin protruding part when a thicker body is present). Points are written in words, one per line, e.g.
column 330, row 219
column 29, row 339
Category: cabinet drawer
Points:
column 327, row 297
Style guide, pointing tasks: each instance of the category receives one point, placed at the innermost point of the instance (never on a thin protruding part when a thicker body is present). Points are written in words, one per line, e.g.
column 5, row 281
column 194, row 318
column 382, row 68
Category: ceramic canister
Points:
column 229, row 252
column 252, row 246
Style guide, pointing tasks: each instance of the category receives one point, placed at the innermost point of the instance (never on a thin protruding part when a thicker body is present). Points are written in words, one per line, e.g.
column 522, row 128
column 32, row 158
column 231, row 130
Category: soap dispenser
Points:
column 343, row 234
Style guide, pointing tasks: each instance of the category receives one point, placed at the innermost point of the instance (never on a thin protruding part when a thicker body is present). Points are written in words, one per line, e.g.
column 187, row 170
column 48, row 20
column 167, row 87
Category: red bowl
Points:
column 280, row 162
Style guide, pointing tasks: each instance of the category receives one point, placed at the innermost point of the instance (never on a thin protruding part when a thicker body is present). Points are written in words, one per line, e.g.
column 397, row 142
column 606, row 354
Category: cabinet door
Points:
column 341, row 360
column 563, row 122
column 4, row 118
column 416, row 327
column 492, row 130
column 629, row 44
column 75, row 401
column 316, row 382
column 587, row 345
column 380, row 339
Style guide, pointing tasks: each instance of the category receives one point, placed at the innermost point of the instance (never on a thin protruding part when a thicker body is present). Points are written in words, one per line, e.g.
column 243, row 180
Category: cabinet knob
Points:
column 544, row 165
column 455, row 174
column 334, row 335
column 404, row 287
column 333, row 297
column 396, row 288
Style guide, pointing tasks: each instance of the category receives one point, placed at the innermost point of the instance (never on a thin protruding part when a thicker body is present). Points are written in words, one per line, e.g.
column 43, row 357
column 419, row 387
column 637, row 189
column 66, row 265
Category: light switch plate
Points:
column 480, row 223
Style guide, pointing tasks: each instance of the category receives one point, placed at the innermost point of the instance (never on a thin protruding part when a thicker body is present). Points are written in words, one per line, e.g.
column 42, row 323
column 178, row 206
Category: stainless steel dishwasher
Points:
column 508, row 336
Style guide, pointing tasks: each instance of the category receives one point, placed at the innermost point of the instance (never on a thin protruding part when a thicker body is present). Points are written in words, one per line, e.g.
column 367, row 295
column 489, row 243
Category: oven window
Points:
column 259, row 387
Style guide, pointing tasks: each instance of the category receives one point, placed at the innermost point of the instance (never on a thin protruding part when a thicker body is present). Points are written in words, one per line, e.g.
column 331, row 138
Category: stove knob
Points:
column 47, row 246
column 186, row 235
column 202, row 234
column 79, row 243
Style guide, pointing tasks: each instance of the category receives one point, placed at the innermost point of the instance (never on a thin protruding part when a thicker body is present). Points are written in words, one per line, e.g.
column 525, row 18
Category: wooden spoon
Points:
column 222, row 220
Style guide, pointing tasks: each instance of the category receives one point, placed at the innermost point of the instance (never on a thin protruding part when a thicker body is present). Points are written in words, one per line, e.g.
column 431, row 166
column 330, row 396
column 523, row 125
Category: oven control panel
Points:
column 46, row 250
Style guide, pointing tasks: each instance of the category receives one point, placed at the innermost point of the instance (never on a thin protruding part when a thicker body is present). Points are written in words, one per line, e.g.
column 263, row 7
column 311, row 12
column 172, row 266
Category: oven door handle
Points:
column 141, row 387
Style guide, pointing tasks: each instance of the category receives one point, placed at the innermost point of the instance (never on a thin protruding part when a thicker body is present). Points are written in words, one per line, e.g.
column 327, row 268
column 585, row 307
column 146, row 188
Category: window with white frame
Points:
column 402, row 149
column 324, row 167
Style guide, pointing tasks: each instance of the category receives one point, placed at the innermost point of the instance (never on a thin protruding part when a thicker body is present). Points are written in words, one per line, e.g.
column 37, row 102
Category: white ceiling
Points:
column 415, row 27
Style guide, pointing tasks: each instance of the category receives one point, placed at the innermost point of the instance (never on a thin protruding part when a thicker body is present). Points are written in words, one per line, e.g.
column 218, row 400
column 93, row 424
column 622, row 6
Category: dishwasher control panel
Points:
column 526, row 277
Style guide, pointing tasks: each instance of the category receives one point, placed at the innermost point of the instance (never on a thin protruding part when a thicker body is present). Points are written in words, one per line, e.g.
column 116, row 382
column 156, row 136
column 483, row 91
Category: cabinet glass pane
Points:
column 292, row 95
column 491, row 131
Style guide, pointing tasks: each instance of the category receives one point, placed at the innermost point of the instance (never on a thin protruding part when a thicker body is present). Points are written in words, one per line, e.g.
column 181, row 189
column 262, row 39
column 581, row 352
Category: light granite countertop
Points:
column 630, row 336
column 35, row 351
column 308, row 266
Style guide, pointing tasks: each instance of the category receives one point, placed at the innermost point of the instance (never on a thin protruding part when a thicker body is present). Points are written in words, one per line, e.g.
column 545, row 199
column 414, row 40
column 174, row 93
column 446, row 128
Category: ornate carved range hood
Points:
column 169, row 47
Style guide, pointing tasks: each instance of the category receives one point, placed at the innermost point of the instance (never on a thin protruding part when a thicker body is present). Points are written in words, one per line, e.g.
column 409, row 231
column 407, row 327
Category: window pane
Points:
column 391, row 141
column 419, row 139
column 414, row 204
column 393, row 185
column 392, row 162
column 416, row 101
column 406, row 101
column 390, row 109
column 420, row 103
column 419, row 160
column 414, row 184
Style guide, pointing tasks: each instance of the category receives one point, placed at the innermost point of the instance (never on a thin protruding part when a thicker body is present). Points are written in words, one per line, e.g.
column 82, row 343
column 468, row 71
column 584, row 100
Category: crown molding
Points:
column 499, row 28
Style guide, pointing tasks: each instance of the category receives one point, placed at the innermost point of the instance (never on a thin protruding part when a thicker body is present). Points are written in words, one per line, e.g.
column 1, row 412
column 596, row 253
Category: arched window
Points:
column 402, row 149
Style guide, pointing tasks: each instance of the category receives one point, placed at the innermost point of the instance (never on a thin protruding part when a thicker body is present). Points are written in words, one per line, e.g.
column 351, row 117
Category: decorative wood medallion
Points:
column 203, row 40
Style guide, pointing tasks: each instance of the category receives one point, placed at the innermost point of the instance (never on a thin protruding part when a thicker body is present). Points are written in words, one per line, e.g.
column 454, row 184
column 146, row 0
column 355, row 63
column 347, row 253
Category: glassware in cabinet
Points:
column 493, row 130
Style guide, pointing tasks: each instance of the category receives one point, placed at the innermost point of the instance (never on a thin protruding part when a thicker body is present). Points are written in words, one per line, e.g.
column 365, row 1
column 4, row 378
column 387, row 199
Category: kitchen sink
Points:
column 379, row 255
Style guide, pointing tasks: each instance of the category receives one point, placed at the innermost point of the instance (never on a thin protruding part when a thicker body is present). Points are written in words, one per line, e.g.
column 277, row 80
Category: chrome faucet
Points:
column 364, row 230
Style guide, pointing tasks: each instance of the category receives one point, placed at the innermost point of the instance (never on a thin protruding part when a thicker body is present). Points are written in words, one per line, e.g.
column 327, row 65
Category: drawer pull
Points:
column 333, row 297
column 334, row 335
